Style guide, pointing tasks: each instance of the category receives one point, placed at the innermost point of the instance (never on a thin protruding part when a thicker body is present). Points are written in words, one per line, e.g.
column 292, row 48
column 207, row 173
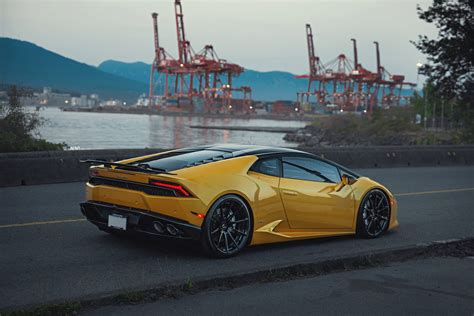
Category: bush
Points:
column 19, row 128
column 394, row 126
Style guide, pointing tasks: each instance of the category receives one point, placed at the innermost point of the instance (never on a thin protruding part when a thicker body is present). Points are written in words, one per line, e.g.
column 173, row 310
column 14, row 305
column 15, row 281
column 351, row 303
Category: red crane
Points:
column 387, row 81
column 196, row 75
column 163, row 64
column 347, row 84
column 316, row 69
column 362, row 82
column 202, row 75
column 184, row 47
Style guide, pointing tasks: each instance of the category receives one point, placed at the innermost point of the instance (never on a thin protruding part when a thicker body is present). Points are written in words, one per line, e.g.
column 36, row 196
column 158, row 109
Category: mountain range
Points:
column 26, row 64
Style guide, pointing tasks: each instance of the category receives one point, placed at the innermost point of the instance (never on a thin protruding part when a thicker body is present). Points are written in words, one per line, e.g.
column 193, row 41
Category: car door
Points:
column 312, row 196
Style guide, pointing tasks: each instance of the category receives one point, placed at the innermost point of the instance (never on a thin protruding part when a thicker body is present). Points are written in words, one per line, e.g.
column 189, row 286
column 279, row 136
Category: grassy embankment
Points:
column 395, row 126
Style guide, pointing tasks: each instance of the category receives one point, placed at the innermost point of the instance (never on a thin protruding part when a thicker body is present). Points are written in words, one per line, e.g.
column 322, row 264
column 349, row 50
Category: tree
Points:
column 19, row 128
column 451, row 56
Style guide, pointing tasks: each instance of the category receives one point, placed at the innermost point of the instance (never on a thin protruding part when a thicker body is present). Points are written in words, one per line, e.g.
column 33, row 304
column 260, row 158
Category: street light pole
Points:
column 421, row 69
column 442, row 114
column 425, row 100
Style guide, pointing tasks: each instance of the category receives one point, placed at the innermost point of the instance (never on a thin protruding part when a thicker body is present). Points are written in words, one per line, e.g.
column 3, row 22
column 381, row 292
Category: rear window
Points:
column 270, row 166
column 185, row 159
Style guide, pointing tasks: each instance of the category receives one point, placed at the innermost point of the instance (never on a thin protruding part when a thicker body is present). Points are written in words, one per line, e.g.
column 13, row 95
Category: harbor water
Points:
column 85, row 130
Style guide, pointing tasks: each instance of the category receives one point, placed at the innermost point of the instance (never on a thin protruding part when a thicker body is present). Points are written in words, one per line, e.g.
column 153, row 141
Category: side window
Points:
column 304, row 168
column 269, row 166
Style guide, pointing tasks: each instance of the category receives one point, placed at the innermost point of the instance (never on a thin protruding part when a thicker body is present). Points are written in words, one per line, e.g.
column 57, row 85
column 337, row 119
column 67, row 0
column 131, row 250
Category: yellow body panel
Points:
column 283, row 209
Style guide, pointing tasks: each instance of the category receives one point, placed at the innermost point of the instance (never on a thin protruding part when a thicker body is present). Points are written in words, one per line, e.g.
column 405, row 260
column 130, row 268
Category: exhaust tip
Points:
column 159, row 227
column 173, row 231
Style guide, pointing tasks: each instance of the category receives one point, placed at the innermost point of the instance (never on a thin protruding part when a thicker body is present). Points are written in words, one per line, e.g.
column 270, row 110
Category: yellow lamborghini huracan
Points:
column 230, row 196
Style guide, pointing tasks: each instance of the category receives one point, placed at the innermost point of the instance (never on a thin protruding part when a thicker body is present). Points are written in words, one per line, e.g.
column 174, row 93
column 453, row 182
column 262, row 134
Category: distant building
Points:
column 284, row 107
column 81, row 101
column 50, row 98
column 113, row 102
column 143, row 100
column 85, row 101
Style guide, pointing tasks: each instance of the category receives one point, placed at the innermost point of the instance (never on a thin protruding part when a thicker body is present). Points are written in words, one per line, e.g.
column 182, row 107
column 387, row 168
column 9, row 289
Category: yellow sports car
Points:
column 230, row 196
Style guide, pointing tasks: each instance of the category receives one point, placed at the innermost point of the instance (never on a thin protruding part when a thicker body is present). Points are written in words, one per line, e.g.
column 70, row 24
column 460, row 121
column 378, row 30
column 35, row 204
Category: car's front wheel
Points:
column 374, row 214
column 228, row 227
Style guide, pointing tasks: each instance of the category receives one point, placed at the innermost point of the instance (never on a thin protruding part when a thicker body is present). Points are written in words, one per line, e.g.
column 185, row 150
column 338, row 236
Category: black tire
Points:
column 227, row 228
column 374, row 214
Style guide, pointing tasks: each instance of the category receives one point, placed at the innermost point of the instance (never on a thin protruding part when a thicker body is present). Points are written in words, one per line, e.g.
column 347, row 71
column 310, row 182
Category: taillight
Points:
column 178, row 189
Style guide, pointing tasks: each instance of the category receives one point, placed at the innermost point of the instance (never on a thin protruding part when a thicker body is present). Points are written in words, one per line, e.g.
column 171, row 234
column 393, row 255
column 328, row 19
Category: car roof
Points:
column 226, row 151
column 245, row 150
column 237, row 150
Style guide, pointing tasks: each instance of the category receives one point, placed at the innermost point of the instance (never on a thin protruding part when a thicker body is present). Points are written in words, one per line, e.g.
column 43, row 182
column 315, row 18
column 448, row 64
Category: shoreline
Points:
column 283, row 130
column 187, row 114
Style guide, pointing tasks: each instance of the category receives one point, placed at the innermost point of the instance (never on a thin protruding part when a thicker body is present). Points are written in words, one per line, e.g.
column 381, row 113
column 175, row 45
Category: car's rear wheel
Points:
column 374, row 214
column 228, row 227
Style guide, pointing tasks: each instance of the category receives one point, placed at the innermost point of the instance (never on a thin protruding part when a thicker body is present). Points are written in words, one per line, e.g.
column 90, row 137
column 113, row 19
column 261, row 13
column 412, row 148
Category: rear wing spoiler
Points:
column 139, row 167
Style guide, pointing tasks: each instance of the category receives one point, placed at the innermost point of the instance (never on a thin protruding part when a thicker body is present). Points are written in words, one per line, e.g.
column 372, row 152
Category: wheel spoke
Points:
column 378, row 225
column 220, row 238
column 374, row 227
column 233, row 240
column 239, row 221
column 226, row 243
column 242, row 233
column 380, row 202
column 370, row 224
column 215, row 230
column 365, row 215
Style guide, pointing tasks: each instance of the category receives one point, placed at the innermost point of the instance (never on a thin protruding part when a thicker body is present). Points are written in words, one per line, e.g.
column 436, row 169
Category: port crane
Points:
column 194, row 76
column 346, row 84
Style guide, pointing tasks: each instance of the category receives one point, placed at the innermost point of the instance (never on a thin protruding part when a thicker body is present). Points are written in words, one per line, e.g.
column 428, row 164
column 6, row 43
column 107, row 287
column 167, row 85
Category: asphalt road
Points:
column 421, row 287
column 45, row 257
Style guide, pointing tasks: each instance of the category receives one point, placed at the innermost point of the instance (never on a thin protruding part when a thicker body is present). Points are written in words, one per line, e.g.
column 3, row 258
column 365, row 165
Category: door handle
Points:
column 288, row 192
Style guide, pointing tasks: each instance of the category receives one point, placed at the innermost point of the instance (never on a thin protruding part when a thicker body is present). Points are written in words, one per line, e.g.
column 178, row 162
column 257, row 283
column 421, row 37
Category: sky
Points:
column 262, row 35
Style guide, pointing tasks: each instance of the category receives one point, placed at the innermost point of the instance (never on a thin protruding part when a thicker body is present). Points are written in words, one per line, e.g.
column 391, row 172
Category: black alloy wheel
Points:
column 374, row 214
column 228, row 227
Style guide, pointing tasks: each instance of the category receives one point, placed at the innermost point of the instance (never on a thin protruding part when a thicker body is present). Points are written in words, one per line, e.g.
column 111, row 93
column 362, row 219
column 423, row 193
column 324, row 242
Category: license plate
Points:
column 117, row 221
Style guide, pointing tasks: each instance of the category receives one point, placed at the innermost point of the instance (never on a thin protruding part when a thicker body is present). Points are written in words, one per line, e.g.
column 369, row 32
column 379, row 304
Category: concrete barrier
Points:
column 398, row 156
column 56, row 167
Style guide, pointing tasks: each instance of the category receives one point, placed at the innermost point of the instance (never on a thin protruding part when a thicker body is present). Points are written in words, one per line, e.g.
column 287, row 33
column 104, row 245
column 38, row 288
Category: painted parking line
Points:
column 434, row 192
column 44, row 223
column 74, row 220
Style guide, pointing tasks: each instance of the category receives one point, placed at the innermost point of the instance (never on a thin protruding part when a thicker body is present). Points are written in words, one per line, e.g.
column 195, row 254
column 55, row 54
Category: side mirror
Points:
column 345, row 180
